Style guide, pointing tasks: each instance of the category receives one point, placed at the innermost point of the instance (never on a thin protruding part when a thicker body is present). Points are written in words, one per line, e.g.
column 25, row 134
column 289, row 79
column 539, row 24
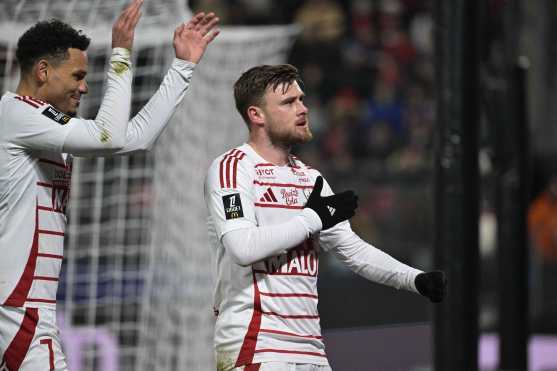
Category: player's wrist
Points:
column 311, row 220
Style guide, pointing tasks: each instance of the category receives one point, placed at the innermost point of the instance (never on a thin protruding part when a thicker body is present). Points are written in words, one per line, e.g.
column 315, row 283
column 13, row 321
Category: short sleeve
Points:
column 229, row 194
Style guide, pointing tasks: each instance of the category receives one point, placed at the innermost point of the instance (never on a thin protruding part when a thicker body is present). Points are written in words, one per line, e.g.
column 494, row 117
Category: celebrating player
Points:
column 270, row 215
column 39, row 133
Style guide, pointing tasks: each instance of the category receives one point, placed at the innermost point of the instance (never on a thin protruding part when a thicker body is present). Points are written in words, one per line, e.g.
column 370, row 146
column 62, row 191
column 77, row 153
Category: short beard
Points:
column 287, row 139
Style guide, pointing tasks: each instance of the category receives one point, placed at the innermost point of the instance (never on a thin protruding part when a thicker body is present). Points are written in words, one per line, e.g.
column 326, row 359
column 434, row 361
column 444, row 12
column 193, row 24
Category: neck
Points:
column 26, row 88
column 274, row 154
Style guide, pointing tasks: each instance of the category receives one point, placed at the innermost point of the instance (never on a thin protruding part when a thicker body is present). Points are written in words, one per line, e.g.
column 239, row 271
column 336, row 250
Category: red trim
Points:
column 290, row 334
column 21, row 290
column 278, row 206
column 44, row 208
column 265, row 164
column 282, row 184
column 17, row 350
column 291, row 316
column 41, row 102
column 252, row 367
column 285, row 274
column 290, row 352
column 50, row 185
column 289, row 295
column 250, row 340
column 55, row 233
column 45, row 278
column 23, row 99
column 48, row 342
column 52, row 256
column 227, row 165
column 51, row 162
column 228, row 176
column 39, row 300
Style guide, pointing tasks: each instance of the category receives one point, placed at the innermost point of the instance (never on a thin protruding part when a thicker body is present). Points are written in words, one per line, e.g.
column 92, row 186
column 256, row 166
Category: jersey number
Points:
column 48, row 342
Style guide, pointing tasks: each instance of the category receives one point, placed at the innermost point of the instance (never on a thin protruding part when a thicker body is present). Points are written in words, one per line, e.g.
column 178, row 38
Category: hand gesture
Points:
column 432, row 285
column 191, row 39
column 332, row 209
column 124, row 27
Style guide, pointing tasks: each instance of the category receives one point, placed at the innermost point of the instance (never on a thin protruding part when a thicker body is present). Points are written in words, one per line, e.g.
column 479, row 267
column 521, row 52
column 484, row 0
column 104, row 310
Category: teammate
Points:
column 39, row 134
column 270, row 216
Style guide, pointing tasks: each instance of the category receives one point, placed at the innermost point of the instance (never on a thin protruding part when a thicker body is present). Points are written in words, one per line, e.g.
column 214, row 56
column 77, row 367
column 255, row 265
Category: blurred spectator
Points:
column 542, row 222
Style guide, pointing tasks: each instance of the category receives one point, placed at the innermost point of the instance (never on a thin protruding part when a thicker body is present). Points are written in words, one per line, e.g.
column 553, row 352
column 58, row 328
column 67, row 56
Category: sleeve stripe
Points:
column 229, row 167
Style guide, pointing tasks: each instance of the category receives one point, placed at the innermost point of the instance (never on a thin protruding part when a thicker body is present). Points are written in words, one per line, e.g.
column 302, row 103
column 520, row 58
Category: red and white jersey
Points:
column 34, row 191
column 266, row 311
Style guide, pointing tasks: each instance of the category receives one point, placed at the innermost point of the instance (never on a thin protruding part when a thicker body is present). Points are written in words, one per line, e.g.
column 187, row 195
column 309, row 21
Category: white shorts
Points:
column 30, row 340
column 282, row 366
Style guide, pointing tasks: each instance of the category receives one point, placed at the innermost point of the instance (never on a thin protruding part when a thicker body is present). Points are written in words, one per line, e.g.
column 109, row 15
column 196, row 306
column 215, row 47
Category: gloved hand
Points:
column 432, row 285
column 332, row 209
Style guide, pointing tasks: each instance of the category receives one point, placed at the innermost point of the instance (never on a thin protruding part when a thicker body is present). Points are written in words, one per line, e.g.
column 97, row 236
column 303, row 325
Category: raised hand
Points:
column 332, row 209
column 191, row 39
column 432, row 285
column 124, row 27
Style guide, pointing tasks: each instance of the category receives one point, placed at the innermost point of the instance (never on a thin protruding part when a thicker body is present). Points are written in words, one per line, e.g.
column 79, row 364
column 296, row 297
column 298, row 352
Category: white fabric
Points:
column 45, row 346
column 366, row 260
column 283, row 366
column 35, row 173
column 250, row 245
column 277, row 291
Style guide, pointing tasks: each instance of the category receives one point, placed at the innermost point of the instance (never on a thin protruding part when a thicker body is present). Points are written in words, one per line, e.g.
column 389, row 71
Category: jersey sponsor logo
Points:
column 53, row 114
column 265, row 173
column 291, row 197
column 301, row 261
column 232, row 206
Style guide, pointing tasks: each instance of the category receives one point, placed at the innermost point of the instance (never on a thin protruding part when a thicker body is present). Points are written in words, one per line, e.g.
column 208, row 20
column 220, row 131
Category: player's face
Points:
column 66, row 82
column 286, row 116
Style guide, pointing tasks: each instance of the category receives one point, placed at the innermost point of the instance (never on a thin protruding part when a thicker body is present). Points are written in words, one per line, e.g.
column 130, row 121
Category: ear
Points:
column 256, row 115
column 41, row 70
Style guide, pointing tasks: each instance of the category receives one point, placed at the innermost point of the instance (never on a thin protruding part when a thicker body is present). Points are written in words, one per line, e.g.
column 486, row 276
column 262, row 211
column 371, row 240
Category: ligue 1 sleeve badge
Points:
column 53, row 114
column 232, row 206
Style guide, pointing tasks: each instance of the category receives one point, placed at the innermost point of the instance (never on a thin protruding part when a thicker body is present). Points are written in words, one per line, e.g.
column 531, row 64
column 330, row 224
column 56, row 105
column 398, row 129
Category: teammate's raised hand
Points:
column 191, row 39
column 124, row 27
column 332, row 209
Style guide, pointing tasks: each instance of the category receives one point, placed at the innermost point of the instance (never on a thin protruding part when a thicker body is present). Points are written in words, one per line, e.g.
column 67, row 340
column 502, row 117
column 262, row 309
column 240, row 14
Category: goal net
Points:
column 136, row 285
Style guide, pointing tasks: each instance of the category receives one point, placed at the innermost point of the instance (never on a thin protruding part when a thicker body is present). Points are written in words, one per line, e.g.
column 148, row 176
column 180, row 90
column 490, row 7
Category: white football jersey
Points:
column 35, row 174
column 34, row 190
column 266, row 311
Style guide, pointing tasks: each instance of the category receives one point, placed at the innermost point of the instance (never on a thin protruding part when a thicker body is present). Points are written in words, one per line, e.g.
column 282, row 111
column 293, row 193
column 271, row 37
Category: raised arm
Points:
column 107, row 132
column 190, row 42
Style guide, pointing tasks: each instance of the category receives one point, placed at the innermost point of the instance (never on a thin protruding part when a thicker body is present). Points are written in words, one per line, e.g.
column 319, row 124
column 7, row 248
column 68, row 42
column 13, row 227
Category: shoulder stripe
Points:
column 228, row 168
column 32, row 99
column 23, row 99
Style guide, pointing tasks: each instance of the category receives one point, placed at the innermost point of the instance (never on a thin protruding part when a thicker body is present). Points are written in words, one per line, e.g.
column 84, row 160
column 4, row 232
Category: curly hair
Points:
column 250, row 88
column 50, row 40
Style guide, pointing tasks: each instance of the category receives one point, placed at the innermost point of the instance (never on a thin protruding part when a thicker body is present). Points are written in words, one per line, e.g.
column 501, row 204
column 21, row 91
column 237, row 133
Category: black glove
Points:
column 332, row 209
column 432, row 285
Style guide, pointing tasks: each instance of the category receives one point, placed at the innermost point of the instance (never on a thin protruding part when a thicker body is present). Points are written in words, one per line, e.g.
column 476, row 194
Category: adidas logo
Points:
column 332, row 210
column 268, row 196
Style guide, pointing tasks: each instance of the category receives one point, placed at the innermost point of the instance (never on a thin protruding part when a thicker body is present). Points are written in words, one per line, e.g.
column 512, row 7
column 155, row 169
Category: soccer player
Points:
column 39, row 134
column 270, row 216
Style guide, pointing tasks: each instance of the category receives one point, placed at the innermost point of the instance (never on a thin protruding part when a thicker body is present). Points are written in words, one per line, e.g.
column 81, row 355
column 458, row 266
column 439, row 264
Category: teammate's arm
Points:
column 107, row 132
column 190, row 42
